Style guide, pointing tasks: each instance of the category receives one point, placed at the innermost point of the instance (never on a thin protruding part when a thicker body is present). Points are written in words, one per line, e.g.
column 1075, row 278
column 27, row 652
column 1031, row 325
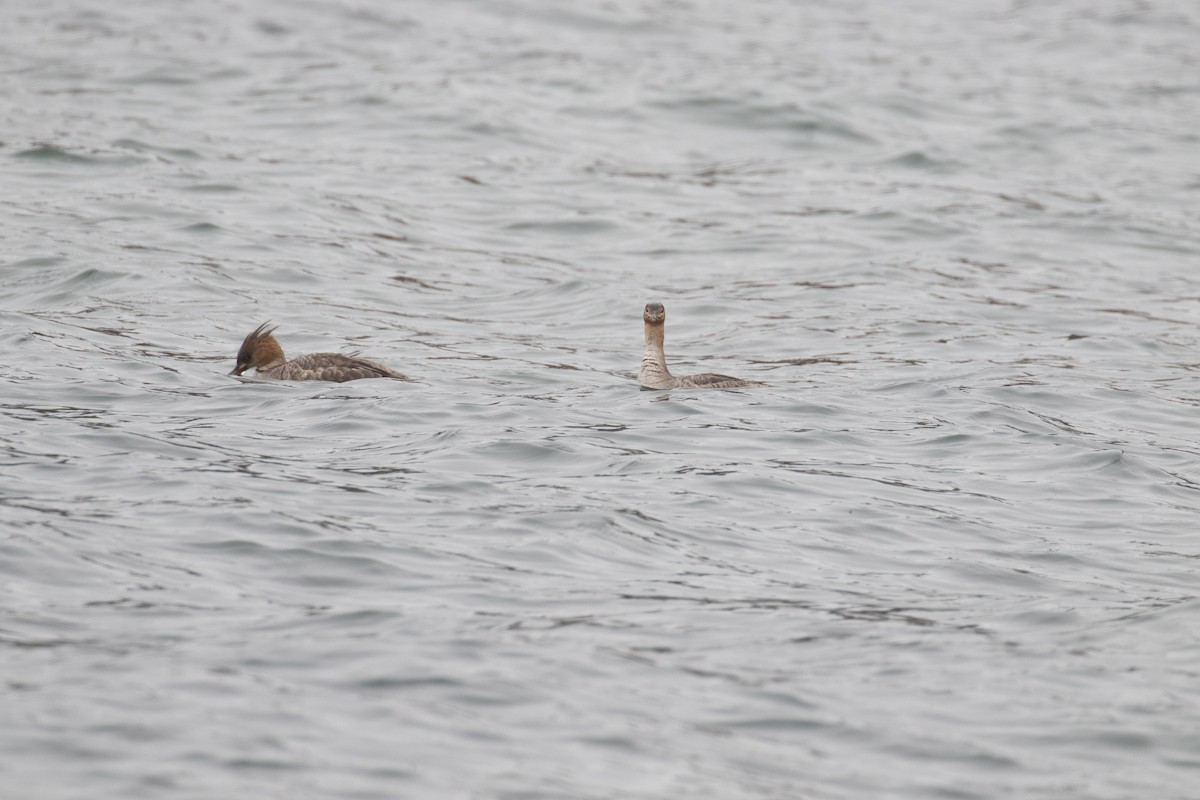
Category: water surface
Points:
column 949, row 551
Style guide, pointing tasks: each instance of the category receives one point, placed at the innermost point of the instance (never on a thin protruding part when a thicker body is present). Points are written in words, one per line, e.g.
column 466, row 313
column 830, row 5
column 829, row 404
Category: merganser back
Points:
column 654, row 373
column 261, row 351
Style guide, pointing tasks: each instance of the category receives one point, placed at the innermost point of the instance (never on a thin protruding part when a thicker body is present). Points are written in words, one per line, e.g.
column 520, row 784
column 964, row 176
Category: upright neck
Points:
column 654, row 363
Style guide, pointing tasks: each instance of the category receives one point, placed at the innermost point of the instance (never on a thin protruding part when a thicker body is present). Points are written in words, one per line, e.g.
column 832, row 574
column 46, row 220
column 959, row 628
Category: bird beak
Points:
column 237, row 371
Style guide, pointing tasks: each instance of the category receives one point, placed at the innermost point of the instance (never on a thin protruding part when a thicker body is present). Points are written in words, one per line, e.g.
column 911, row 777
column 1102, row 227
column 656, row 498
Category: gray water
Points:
column 950, row 551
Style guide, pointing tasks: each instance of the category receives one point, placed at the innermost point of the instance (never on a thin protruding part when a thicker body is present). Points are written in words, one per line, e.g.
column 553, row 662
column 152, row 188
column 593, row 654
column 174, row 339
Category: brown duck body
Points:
column 654, row 373
column 261, row 351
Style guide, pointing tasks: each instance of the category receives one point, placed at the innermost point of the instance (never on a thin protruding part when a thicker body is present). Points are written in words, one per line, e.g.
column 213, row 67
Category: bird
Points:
column 261, row 351
column 654, row 373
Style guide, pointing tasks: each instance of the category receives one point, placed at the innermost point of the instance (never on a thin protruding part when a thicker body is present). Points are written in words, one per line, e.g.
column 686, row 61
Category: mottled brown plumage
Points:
column 654, row 373
column 261, row 351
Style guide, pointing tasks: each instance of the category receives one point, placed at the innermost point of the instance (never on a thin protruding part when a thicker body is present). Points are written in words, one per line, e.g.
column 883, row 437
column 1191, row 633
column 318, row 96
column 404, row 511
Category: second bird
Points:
column 654, row 373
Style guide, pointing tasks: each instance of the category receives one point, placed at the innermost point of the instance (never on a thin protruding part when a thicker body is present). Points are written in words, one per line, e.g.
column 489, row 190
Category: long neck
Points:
column 653, row 360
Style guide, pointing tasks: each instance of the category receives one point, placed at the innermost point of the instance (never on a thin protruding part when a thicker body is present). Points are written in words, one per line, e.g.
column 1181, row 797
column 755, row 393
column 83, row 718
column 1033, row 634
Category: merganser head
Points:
column 258, row 348
column 654, row 314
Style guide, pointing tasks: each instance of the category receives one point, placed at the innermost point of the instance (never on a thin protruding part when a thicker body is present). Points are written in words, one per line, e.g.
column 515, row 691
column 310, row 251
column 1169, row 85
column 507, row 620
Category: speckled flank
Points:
column 654, row 373
column 328, row 367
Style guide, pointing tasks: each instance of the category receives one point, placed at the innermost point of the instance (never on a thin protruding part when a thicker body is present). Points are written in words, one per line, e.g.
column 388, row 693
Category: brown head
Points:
column 654, row 314
column 258, row 348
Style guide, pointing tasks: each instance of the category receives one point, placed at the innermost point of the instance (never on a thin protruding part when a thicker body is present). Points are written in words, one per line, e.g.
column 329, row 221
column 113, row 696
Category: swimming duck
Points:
column 261, row 351
column 654, row 373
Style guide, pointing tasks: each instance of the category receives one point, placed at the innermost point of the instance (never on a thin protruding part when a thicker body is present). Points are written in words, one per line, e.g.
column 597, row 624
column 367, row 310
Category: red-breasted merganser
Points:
column 654, row 373
column 261, row 351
